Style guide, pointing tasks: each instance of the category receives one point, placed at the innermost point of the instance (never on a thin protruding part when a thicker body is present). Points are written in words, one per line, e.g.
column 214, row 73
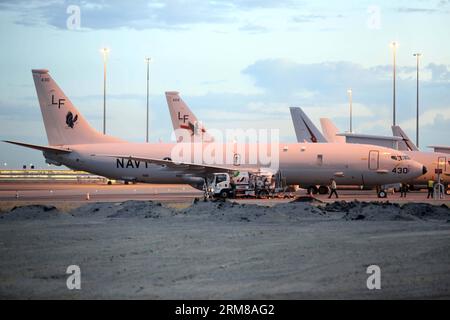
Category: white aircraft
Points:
column 304, row 127
column 434, row 161
column 75, row 144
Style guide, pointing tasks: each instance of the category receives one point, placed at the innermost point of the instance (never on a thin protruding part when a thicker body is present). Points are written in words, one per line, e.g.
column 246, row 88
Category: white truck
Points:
column 246, row 185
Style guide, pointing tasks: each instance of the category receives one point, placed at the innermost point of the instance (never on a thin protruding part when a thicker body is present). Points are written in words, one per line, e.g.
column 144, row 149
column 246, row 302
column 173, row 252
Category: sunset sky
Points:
column 237, row 64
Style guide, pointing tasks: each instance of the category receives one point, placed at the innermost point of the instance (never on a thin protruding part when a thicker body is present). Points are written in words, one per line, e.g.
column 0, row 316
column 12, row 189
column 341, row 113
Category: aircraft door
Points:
column 374, row 159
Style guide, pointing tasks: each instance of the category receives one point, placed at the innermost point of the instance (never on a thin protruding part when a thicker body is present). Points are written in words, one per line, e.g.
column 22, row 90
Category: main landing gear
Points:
column 381, row 192
column 320, row 190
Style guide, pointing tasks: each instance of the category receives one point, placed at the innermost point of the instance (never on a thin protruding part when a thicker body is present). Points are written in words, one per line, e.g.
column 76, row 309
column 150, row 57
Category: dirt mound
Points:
column 377, row 212
column 385, row 211
column 141, row 209
column 97, row 209
column 229, row 211
column 224, row 211
column 31, row 212
column 235, row 212
column 307, row 199
column 217, row 208
column 300, row 211
column 127, row 209
column 426, row 211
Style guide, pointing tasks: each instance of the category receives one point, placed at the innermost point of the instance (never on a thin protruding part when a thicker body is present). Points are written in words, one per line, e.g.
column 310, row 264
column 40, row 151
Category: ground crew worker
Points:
column 233, row 187
column 430, row 188
column 333, row 188
column 403, row 189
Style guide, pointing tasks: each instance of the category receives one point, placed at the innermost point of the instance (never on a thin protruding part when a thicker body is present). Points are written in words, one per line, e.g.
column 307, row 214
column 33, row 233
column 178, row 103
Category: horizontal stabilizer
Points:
column 41, row 148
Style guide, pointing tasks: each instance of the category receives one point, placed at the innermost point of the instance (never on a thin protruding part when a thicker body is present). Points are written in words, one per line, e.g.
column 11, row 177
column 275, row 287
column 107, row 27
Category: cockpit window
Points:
column 400, row 158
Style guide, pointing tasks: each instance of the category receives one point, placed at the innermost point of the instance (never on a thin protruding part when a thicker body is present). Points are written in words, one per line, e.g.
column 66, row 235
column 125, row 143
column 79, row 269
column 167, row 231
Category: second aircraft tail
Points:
column 406, row 144
column 330, row 131
column 184, row 121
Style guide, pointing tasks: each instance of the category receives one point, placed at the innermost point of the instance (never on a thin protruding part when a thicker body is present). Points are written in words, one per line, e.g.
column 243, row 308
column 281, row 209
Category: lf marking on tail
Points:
column 184, row 117
column 60, row 102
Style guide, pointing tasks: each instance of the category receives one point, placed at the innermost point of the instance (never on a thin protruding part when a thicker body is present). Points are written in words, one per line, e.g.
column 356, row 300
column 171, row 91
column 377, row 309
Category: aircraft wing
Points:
column 38, row 147
column 199, row 169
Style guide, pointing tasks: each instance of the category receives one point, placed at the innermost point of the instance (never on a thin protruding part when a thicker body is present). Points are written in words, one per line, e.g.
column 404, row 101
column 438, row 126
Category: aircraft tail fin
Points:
column 330, row 131
column 184, row 121
column 406, row 144
column 64, row 124
column 305, row 130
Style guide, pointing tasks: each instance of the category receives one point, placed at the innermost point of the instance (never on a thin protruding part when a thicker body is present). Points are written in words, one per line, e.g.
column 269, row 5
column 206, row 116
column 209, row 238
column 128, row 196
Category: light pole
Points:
column 417, row 55
column 394, row 46
column 105, row 52
column 350, row 92
column 147, row 60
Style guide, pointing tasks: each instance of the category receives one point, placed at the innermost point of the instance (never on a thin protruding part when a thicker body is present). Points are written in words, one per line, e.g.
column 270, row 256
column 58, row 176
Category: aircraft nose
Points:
column 424, row 170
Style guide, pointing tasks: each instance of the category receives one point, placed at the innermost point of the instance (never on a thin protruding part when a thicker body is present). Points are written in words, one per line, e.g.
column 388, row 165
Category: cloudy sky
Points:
column 236, row 63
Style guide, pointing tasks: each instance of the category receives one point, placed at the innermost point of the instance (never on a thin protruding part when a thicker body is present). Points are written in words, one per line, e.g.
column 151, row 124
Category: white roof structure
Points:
column 443, row 149
column 383, row 141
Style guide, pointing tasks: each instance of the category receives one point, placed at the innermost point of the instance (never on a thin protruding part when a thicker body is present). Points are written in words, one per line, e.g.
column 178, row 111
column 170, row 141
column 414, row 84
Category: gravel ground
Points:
column 223, row 250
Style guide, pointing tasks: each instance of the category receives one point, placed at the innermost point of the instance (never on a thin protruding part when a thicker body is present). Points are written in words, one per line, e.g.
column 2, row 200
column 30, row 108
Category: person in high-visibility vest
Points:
column 403, row 190
column 430, row 188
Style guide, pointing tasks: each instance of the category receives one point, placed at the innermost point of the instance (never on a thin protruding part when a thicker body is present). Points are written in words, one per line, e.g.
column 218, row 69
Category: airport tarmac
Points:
column 57, row 192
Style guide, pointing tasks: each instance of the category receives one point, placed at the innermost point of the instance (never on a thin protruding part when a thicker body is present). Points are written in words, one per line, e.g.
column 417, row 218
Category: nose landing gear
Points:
column 382, row 194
